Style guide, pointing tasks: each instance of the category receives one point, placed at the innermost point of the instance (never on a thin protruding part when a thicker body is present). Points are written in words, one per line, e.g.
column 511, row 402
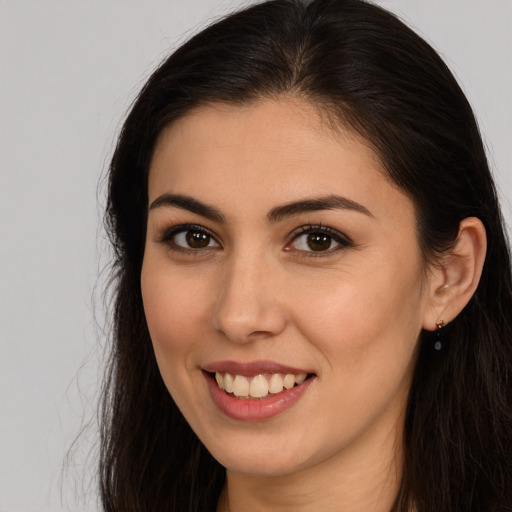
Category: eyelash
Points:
column 343, row 241
column 169, row 234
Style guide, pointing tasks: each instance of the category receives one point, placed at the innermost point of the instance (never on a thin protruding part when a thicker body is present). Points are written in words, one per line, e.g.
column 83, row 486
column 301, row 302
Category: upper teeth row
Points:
column 260, row 385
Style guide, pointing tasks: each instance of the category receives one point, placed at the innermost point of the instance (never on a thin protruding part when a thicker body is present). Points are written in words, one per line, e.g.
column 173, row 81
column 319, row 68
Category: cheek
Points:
column 176, row 320
column 366, row 331
column 176, row 310
column 360, row 318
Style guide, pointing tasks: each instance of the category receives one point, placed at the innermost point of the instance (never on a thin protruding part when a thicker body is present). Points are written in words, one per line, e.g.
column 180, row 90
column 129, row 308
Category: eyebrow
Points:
column 187, row 203
column 279, row 213
column 332, row 202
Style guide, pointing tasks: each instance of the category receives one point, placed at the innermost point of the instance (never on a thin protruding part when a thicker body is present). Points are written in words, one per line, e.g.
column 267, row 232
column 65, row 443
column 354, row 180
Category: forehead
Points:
column 278, row 150
column 286, row 129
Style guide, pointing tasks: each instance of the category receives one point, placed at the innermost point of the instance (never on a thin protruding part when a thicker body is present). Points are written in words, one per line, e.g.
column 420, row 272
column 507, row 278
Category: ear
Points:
column 455, row 277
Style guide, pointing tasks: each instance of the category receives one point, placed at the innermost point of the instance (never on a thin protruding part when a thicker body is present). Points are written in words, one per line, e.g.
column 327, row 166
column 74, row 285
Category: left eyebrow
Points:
column 332, row 202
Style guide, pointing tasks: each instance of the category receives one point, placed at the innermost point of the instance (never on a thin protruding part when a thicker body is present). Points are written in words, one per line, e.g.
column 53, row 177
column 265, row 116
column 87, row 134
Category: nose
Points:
column 248, row 306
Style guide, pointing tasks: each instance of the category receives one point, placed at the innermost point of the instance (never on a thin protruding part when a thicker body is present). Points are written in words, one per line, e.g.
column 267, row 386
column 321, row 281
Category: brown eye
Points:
column 315, row 242
column 197, row 239
column 191, row 238
column 319, row 241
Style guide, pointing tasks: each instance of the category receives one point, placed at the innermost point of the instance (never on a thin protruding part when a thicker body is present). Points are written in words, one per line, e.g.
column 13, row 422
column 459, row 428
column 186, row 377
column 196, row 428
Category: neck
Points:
column 361, row 478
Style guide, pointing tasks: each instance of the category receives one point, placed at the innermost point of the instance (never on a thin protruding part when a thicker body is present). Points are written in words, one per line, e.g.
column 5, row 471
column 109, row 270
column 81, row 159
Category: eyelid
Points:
column 167, row 234
column 340, row 238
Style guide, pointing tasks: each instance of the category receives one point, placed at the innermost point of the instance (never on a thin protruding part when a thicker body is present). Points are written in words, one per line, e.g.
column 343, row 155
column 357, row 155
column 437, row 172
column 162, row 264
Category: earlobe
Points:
column 456, row 275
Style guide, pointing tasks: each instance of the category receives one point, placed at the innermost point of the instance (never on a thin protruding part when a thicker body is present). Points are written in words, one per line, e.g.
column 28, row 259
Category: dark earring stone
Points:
column 437, row 336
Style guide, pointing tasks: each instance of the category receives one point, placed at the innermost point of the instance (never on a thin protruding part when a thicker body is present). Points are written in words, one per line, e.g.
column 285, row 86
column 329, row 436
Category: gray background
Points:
column 68, row 72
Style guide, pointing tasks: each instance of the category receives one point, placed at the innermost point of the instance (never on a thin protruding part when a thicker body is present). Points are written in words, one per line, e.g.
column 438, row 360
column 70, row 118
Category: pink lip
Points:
column 253, row 368
column 257, row 409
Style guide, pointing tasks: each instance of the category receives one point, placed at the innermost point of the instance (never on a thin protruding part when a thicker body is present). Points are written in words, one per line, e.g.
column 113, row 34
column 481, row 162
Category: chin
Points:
column 261, row 456
column 262, row 465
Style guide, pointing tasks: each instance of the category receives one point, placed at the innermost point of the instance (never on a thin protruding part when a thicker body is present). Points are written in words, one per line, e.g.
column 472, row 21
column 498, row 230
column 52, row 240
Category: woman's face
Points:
column 276, row 248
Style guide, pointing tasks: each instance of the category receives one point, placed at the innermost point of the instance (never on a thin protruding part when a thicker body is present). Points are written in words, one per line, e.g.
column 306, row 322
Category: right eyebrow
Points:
column 187, row 203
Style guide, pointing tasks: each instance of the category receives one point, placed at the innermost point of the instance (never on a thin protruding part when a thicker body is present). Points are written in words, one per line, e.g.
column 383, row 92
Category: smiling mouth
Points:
column 258, row 387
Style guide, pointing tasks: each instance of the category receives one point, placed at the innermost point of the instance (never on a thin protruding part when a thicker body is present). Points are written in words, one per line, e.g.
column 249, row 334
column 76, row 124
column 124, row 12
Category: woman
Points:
column 313, row 286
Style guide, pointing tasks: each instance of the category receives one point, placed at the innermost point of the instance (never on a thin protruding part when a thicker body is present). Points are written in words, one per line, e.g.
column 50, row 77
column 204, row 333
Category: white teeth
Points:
column 299, row 379
column 240, row 386
column 289, row 381
column 260, row 385
column 275, row 384
column 228, row 382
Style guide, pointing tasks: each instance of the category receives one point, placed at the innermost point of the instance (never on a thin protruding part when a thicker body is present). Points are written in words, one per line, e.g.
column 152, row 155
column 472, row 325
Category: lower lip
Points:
column 256, row 409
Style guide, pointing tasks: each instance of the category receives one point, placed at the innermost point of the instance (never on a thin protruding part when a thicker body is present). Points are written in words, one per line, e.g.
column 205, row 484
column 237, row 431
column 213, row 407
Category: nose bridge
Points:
column 247, row 304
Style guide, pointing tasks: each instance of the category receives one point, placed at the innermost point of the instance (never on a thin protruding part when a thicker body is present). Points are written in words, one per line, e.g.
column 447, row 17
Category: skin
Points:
column 351, row 314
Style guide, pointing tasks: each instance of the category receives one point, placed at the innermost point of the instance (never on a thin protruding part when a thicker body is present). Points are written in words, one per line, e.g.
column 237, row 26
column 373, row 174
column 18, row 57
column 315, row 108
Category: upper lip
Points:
column 252, row 368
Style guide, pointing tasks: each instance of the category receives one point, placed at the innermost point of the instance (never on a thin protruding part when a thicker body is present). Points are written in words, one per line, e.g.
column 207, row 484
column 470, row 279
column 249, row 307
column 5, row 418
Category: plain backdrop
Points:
column 68, row 72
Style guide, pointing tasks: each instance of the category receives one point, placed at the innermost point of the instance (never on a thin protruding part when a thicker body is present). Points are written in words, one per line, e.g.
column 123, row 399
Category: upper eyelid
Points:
column 169, row 232
column 318, row 228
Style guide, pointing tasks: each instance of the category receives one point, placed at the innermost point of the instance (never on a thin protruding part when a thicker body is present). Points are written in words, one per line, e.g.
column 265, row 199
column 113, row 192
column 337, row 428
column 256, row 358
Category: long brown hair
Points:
column 365, row 69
